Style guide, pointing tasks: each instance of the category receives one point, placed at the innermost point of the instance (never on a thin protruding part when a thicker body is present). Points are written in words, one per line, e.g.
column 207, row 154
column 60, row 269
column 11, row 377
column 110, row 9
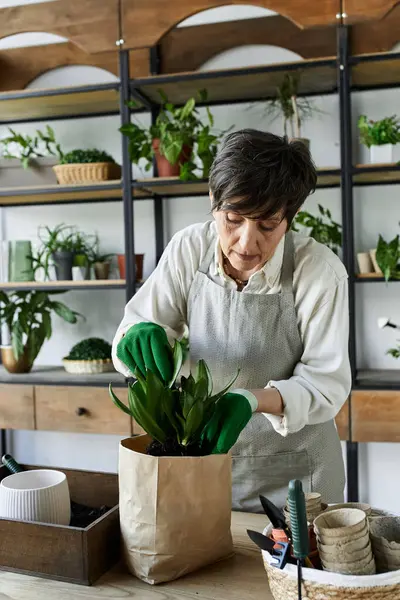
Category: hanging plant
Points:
column 322, row 228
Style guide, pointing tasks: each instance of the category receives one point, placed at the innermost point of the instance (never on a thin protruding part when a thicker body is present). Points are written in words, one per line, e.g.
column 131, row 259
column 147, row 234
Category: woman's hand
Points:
column 146, row 346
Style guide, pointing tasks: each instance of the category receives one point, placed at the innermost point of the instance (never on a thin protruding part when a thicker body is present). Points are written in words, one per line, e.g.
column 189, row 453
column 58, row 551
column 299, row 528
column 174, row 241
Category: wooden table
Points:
column 241, row 578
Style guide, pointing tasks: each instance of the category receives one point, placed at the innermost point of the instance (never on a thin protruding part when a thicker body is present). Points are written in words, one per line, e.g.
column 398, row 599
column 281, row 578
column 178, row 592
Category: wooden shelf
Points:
column 57, row 376
column 174, row 187
column 241, row 84
column 374, row 71
column 378, row 379
column 104, row 191
column 41, row 104
column 376, row 174
column 91, row 284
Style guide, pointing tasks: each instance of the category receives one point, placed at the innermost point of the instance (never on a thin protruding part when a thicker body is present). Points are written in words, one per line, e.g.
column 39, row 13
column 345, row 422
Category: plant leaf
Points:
column 177, row 358
column 118, row 402
column 16, row 340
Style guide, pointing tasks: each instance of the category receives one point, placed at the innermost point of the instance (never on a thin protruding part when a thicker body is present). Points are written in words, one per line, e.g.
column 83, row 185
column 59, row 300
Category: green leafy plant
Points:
column 28, row 316
column 387, row 257
column 395, row 352
column 174, row 415
column 90, row 349
column 322, row 228
column 293, row 110
column 25, row 148
column 63, row 238
column 86, row 156
column 179, row 130
column 94, row 255
column 377, row 133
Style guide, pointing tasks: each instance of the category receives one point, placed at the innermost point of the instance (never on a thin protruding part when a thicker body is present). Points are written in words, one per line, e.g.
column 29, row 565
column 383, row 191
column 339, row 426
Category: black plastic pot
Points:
column 63, row 262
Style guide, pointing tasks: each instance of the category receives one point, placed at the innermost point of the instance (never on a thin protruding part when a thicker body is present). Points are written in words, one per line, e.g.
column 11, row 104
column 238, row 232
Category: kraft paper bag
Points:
column 175, row 512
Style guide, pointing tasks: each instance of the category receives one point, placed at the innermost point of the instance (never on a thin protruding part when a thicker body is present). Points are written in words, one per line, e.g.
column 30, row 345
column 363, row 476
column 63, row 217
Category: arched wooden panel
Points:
column 376, row 36
column 20, row 66
column 91, row 24
column 362, row 10
column 187, row 48
column 145, row 22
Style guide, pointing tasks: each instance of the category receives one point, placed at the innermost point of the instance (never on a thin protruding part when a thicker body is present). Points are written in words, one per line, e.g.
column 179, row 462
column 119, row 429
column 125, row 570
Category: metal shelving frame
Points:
column 342, row 87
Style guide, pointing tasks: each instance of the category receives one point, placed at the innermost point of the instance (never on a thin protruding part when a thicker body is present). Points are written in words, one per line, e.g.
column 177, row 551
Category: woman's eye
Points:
column 265, row 228
column 232, row 221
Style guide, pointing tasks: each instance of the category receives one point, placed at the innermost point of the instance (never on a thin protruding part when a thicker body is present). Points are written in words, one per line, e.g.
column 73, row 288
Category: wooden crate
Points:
column 66, row 553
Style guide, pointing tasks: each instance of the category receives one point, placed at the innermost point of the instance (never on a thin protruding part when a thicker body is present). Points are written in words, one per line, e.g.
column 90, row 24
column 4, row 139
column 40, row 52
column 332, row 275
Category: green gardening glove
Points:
column 146, row 346
column 232, row 413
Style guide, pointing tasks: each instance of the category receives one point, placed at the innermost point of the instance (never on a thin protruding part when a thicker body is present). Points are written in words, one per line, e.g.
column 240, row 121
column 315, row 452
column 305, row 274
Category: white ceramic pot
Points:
column 381, row 154
column 40, row 495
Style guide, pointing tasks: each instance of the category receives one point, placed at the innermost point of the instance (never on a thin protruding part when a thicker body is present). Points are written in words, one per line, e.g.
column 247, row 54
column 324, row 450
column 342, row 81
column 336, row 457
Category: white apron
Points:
column 258, row 333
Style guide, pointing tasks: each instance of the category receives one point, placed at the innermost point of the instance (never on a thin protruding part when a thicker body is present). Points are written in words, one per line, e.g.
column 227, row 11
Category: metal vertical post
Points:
column 346, row 160
column 127, row 177
column 3, row 441
column 155, row 67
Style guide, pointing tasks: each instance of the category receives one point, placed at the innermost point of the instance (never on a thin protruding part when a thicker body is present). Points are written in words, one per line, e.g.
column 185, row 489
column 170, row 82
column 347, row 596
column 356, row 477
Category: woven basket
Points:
column 87, row 172
column 323, row 585
column 84, row 367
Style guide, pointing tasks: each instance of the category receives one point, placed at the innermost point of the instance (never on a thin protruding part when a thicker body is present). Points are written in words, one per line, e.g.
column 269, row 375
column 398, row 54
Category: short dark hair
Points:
column 263, row 174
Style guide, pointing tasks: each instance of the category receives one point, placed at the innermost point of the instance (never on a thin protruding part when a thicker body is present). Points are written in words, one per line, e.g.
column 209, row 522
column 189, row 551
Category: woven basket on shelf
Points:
column 323, row 585
column 83, row 367
column 86, row 172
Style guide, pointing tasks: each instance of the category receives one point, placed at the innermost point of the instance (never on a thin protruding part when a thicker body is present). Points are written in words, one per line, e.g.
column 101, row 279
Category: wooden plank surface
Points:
column 375, row 416
column 58, row 407
column 56, row 284
column 368, row 10
column 17, row 407
column 145, row 23
column 54, row 376
column 240, row 578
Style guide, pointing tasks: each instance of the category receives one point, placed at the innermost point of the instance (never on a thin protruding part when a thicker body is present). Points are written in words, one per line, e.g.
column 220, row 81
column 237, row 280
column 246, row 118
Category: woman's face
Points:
column 248, row 243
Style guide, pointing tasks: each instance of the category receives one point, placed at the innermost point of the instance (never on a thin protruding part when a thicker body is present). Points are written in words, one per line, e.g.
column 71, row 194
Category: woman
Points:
column 255, row 295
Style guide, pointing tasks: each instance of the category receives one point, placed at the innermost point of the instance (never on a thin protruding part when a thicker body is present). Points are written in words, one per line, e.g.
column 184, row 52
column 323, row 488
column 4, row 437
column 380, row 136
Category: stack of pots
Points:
column 385, row 538
column 344, row 543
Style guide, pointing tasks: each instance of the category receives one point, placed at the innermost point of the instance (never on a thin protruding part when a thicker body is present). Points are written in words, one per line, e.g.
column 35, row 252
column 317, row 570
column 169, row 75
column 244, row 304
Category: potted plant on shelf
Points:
column 91, row 355
column 184, row 453
column 176, row 139
column 139, row 260
column 322, row 228
column 29, row 160
column 293, row 110
column 379, row 137
column 101, row 262
column 387, row 257
column 27, row 316
column 86, row 166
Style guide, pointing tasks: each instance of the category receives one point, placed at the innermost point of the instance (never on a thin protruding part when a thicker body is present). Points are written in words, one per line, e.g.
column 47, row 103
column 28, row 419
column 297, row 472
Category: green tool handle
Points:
column 11, row 464
column 298, row 520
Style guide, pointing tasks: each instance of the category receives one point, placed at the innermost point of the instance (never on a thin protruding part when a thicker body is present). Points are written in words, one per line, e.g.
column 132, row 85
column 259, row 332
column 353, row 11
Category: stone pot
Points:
column 11, row 364
column 382, row 154
column 63, row 262
column 82, row 261
column 40, row 172
column 102, row 270
column 164, row 167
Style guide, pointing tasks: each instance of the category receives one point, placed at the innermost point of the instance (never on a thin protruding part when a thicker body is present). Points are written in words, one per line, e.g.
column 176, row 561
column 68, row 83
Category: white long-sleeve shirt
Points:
column 321, row 380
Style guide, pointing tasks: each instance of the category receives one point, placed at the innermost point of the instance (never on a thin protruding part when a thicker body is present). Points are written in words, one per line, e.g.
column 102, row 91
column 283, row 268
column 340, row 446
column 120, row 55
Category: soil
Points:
column 172, row 448
column 82, row 516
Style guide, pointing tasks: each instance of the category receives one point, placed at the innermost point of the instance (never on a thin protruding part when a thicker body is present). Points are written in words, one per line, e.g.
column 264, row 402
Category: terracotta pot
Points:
column 164, row 167
column 139, row 266
column 102, row 270
column 22, row 365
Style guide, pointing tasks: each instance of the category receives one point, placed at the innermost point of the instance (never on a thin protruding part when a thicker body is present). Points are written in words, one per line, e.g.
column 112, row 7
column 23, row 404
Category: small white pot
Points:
column 364, row 263
column 381, row 154
column 40, row 495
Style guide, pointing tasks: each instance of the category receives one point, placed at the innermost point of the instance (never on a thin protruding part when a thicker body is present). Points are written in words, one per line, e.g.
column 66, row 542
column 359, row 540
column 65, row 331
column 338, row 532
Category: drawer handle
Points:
column 81, row 411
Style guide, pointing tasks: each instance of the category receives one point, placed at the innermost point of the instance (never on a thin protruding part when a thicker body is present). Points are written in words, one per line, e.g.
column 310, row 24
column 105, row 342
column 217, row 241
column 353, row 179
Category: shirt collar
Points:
column 270, row 271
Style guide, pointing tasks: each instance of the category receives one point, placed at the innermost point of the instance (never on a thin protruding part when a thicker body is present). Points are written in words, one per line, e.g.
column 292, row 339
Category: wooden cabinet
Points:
column 17, row 407
column 342, row 422
column 375, row 416
column 80, row 409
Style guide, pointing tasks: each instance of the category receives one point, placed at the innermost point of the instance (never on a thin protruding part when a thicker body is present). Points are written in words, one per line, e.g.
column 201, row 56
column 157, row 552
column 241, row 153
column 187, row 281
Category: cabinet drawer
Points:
column 342, row 422
column 80, row 409
column 375, row 416
column 16, row 407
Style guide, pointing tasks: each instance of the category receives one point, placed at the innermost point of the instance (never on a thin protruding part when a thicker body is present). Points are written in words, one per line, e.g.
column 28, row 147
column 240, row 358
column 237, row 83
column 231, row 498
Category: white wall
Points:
column 376, row 210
